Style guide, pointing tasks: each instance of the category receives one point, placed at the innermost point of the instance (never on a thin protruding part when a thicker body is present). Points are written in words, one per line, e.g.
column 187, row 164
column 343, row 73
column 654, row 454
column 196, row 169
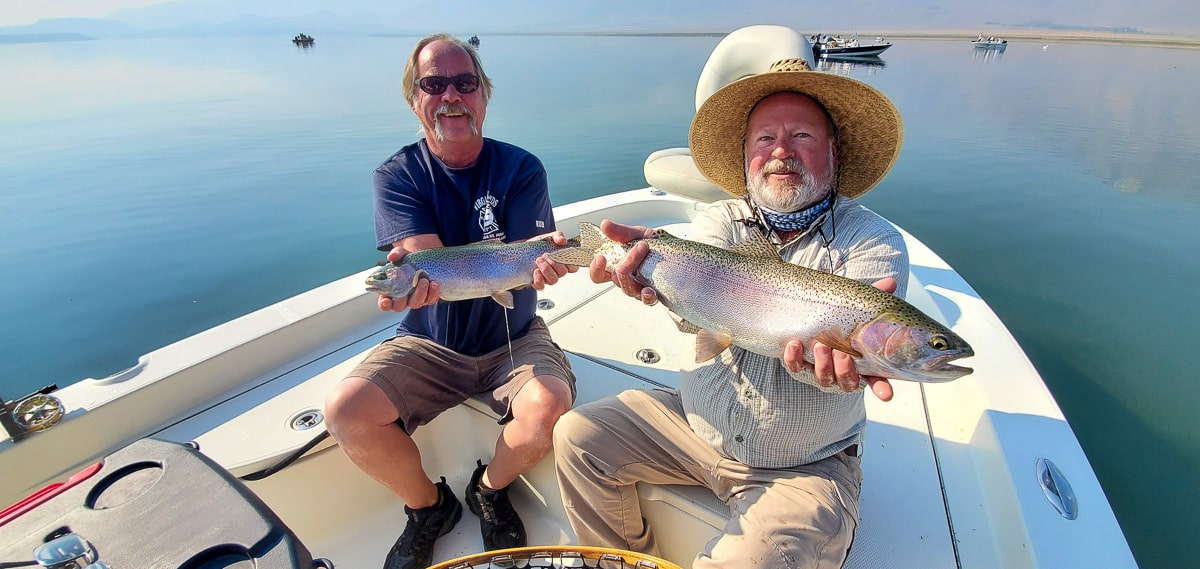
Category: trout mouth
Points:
column 378, row 283
column 940, row 368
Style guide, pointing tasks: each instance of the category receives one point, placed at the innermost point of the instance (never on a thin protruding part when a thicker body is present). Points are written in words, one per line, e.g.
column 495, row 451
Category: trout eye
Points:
column 939, row 342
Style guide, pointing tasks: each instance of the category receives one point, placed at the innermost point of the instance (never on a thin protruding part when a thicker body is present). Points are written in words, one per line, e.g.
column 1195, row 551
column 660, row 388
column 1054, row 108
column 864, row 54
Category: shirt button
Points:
column 738, row 438
column 748, row 393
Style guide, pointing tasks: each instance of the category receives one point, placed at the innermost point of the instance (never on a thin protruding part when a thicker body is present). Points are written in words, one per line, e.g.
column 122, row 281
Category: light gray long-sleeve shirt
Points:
column 748, row 406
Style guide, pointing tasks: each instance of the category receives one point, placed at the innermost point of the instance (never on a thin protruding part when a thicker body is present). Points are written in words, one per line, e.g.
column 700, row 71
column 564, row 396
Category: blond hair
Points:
column 409, row 86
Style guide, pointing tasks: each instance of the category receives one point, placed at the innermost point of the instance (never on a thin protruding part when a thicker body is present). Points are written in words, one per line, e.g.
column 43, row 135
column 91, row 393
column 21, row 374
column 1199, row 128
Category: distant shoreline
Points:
column 42, row 38
column 1062, row 36
column 1065, row 36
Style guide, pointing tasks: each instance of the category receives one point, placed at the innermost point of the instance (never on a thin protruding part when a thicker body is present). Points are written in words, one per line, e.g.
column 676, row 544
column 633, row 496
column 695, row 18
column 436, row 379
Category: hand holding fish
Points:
column 830, row 366
column 547, row 271
column 622, row 273
column 424, row 292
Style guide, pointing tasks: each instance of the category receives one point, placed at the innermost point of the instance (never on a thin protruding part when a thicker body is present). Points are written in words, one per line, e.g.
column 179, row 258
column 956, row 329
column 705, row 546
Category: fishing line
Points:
column 829, row 241
column 508, row 334
column 757, row 222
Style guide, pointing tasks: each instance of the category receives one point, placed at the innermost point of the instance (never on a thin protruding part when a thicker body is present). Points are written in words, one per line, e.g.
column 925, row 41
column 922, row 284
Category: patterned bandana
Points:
column 799, row 220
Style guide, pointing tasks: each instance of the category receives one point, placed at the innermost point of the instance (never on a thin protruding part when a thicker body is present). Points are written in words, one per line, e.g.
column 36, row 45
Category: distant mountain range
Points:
column 287, row 17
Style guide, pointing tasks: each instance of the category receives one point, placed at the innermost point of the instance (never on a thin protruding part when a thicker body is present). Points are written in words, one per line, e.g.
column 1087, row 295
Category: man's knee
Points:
column 568, row 431
column 357, row 401
column 542, row 402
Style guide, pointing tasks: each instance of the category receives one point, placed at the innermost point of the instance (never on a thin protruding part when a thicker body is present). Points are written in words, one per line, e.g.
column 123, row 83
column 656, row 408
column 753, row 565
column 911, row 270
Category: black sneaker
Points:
column 499, row 522
column 414, row 549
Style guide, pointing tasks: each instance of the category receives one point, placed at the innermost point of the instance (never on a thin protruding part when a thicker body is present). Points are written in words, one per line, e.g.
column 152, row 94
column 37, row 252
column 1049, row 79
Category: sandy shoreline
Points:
column 1067, row 36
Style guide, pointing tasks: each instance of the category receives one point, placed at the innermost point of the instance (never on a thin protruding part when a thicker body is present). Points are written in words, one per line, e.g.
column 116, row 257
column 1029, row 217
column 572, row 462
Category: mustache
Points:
column 455, row 108
column 783, row 166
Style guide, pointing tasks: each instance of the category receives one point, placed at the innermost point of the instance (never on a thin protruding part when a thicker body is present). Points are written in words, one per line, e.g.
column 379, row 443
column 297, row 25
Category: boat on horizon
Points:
column 303, row 39
column 213, row 449
column 839, row 47
column 990, row 42
column 474, row 41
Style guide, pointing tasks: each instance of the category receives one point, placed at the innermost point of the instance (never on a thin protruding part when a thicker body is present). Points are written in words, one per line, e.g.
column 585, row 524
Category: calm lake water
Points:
column 150, row 189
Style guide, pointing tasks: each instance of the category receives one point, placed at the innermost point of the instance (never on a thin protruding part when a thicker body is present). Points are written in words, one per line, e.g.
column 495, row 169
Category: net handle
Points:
column 631, row 559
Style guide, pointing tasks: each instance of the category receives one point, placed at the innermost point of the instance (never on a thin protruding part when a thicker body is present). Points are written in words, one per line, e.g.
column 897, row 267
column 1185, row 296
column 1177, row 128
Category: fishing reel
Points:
column 35, row 412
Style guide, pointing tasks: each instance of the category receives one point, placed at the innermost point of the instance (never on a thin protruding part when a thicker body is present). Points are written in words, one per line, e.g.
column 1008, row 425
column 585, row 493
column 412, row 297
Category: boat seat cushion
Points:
column 673, row 171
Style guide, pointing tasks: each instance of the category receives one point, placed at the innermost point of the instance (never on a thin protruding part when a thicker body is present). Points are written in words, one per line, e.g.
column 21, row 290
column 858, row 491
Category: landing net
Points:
column 556, row 556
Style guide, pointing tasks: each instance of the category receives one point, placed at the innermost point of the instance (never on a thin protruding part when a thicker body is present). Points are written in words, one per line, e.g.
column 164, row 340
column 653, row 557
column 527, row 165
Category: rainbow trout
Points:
column 476, row 270
column 753, row 299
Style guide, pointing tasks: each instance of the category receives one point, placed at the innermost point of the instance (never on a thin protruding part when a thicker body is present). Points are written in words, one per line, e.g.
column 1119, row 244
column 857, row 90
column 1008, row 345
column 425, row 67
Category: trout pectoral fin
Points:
column 834, row 338
column 504, row 298
column 710, row 344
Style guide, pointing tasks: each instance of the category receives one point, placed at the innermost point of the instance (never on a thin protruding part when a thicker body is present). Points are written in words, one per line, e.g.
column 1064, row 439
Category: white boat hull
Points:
column 849, row 52
column 996, row 45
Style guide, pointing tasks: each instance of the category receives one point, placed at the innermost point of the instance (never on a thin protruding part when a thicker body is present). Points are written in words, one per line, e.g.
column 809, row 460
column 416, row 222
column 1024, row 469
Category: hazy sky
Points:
column 22, row 12
column 1150, row 15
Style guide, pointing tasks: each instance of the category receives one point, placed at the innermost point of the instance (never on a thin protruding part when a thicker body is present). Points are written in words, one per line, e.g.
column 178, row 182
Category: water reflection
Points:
column 980, row 55
column 871, row 65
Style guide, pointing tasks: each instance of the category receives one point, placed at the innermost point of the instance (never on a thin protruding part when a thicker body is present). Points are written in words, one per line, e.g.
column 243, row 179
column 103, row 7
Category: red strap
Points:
column 45, row 494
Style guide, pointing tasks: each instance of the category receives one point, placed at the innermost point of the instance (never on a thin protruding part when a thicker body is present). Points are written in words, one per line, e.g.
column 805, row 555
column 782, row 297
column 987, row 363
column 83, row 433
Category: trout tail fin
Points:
column 580, row 250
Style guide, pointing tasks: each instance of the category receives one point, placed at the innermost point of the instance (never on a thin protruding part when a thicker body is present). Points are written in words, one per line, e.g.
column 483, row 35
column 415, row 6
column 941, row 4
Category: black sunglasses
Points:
column 436, row 84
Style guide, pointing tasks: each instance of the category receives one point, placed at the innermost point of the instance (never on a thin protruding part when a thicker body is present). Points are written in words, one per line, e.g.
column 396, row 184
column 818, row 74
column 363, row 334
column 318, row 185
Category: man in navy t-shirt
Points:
column 455, row 187
column 501, row 196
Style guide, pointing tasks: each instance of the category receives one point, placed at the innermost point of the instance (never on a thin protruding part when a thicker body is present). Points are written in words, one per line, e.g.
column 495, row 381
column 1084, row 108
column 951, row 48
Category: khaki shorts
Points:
column 423, row 378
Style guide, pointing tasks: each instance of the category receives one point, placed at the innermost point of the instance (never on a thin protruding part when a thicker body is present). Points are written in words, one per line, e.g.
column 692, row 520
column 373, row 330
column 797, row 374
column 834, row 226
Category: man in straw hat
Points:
column 777, row 439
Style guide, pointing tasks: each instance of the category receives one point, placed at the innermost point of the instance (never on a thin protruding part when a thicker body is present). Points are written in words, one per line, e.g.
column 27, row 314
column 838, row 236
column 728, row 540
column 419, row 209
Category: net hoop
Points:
column 567, row 556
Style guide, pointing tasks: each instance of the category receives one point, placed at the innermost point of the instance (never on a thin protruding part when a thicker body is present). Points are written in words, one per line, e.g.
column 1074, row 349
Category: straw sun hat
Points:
column 867, row 123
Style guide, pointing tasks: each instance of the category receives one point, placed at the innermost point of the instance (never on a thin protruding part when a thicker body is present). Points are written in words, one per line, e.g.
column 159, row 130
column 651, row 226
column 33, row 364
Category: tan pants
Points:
column 798, row 517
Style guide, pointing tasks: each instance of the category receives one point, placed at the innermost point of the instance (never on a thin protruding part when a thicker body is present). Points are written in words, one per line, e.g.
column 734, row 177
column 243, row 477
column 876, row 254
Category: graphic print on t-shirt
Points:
column 487, row 216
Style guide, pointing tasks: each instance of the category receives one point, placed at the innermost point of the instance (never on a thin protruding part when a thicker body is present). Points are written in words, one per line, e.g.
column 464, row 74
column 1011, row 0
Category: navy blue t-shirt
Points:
column 502, row 196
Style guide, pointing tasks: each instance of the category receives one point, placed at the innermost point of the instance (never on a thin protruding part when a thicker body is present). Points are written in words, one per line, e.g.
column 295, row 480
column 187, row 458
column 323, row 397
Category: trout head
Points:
column 394, row 281
column 911, row 348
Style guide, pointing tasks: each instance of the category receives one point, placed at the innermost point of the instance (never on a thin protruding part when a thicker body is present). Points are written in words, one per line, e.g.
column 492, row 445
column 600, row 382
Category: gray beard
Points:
column 790, row 198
